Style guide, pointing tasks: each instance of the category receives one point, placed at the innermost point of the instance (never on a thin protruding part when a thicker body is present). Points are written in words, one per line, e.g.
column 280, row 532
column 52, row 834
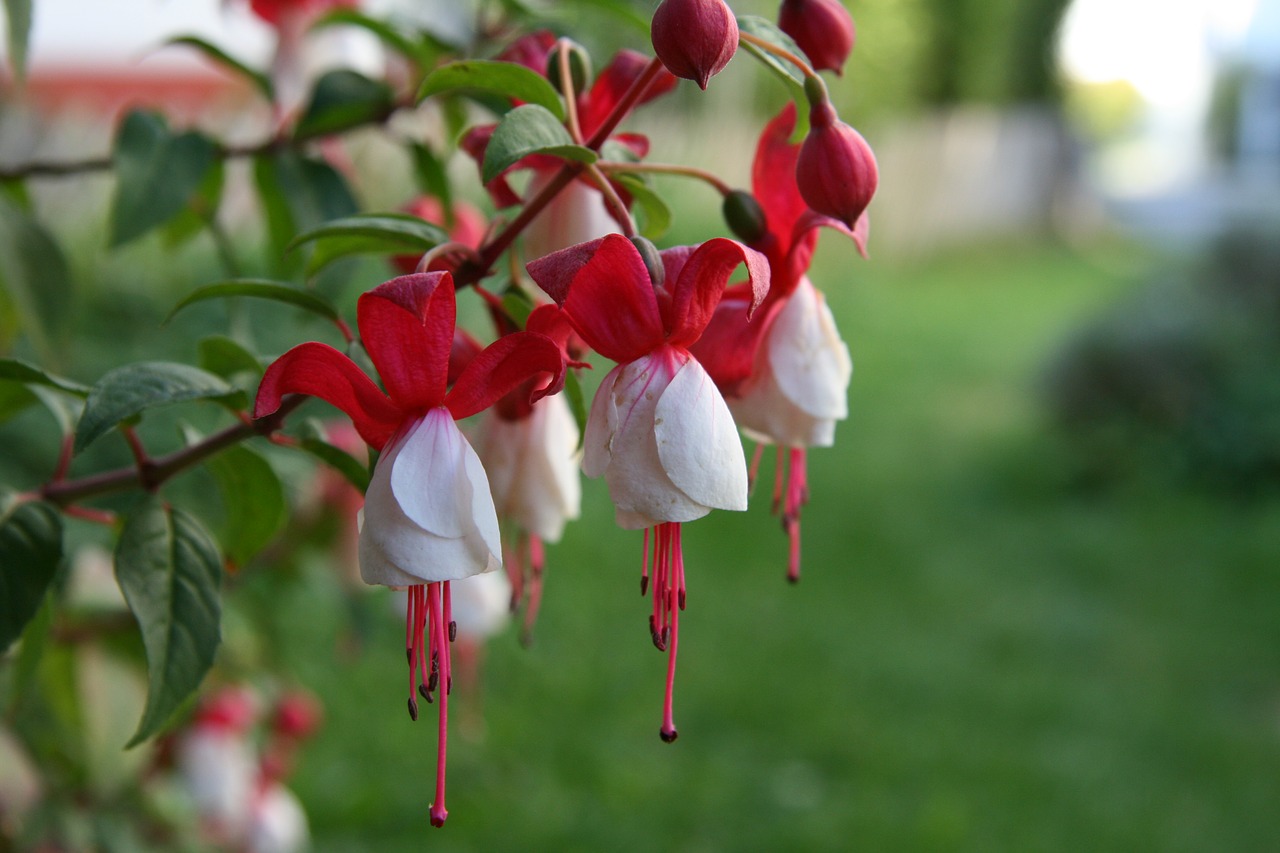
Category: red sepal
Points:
column 702, row 277
column 604, row 288
column 613, row 82
column 321, row 371
column 502, row 366
column 407, row 326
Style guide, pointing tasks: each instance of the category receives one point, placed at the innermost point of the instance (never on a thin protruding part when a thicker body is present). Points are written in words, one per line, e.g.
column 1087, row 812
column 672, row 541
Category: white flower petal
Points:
column 431, row 463
column 809, row 360
column 602, row 421
column 481, row 605
column 697, row 441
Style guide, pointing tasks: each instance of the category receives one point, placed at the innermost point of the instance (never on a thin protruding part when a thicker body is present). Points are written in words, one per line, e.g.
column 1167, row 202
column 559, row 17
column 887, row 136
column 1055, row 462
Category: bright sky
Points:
column 1163, row 47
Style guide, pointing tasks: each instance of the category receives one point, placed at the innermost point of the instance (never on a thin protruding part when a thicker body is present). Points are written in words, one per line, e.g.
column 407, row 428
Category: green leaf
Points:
column 253, row 499
column 577, row 403
column 526, row 130
column 19, row 15
column 35, row 273
column 341, row 100
column 30, row 551
column 156, row 173
column 312, row 441
column 169, row 571
column 657, row 216
column 64, row 407
column 17, row 370
column 260, row 81
column 418, row 52
column 432, row 178
column 622, row 9
column 14, row 397
column 201, row 208
column 788, row 73
column 35, row 637
column 517, row 305
column 382, row 233
column 298, row 193
column 226, row 358
column 259, row 288
column 499, row 78
column 127, row 391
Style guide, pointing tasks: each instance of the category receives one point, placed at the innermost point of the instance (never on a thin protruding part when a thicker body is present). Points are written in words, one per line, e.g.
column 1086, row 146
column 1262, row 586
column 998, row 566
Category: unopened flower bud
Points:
column 579, row 68
column 695, row 39
column 823, row 29
column 836, row 170
column 744, row 216
column 652, row 260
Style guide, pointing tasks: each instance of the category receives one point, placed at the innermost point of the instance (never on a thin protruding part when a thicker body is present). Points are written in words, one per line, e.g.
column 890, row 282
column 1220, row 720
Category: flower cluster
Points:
column 696, row 359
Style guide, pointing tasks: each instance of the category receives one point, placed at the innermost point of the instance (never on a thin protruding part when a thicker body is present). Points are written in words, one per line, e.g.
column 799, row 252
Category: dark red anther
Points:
column 424, row 692
column 453, row 631
column 668, row 736
column 681, row 597
column 413, row 710
column 434, row 681
column 644, row 585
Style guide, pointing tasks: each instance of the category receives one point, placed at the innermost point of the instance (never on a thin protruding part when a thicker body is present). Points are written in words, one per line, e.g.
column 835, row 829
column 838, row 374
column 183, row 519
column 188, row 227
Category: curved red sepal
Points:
column 502, row 366
column 407, row 325
column 321, row 371
column 702, row 280
column 604, row 288
column 773, row 176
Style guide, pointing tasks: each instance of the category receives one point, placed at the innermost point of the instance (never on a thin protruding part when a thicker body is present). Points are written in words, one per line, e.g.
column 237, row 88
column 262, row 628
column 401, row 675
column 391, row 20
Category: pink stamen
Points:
column 797, row 497
column 674, row 591
column 754, row 471
column 779, row 479
column 440, row 617
column 410, row 645
column 536, row 559
column 644, row 564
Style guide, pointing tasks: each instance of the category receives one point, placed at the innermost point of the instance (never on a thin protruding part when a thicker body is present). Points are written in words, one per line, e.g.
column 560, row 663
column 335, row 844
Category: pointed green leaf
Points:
column 65, row 408
column 380, row 233
column 785, row 71
column 14, row 397
column 201, row 209
column 419, row 52
column 432, row 178
column 298, row 193
column 157, row 173
column 260, row 81
column 500, row 78
column 526, row 130
column 657, row 216
column 17, row 370
column 226, row 358
column 259, row 288
column 313, row 441
column 35, row 637
column 30, row 551
column 253, row 499
column 341, row 100
column 128, row 391
column 19, row 15
column 169, row 571
column 36, row 275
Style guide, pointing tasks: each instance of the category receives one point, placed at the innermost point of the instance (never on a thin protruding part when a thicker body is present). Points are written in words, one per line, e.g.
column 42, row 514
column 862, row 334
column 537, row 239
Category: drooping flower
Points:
column 216, row 764
column 695, row 39
column 823, row 29
column 786, row 372
column 530, row 451
column 428, row 516
column 659, row 431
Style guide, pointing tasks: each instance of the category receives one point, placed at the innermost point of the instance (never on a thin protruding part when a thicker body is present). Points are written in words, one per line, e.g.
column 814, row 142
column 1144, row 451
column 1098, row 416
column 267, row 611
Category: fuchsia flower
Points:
column 428, row 516
column 695, row 39
column 659, row 431
column 785, row 374
column 823, row 29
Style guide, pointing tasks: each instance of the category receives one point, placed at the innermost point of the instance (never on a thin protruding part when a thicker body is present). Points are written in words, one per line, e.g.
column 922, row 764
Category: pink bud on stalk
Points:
column 695, row 39
column 823, row 29
column 836, row 170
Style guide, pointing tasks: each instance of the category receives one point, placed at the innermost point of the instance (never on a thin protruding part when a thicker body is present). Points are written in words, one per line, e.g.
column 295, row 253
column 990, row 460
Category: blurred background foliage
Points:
column 1040, row 607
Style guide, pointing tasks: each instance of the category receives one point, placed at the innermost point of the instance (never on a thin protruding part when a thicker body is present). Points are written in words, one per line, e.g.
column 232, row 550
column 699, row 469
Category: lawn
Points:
column 978, row 657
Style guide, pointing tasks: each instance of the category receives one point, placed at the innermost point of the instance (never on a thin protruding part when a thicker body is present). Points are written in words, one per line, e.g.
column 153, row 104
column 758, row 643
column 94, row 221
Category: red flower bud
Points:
column 836, row 171
column 823, row 29
column 297, row 715
column 694, row 38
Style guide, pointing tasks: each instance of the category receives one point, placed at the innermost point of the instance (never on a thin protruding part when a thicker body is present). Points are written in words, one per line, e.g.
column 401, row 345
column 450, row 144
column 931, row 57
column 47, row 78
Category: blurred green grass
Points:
column 977, row 657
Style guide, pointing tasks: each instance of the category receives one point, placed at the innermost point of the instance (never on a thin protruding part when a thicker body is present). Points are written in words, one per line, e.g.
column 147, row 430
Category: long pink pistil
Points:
column 796, row 492
column 429, row 631
column 667, row 560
